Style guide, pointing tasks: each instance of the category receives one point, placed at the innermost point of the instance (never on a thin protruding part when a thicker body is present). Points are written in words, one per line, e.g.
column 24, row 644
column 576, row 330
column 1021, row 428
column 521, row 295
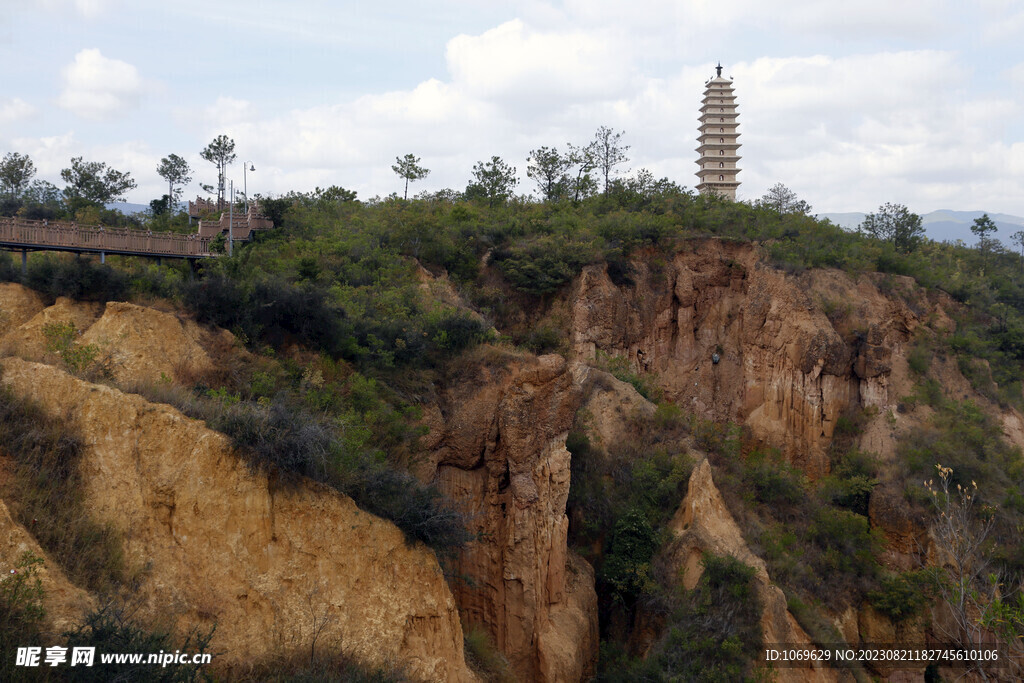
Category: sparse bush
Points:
column 903, row 596
column 113, row 628
column 62, row 339
column 919, row 358
column 544, row 338
column 716, row 633
column 772, row 481
column 847, row 547
column 21, row 612
column 284, row 439
column 326, row 668
column 278, row 437
column 421, row 512
column 484, row 657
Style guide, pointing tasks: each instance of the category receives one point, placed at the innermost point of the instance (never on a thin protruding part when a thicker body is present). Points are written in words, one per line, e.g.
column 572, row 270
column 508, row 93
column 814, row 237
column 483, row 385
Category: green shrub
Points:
column 627, row 564
column 484, row 657
column 846, row 543
column 61, row 339
column 76, row 278
column 544, row 338
column 919, row 359
column 903, row 596
column 21, row 612
column 112, row 629
column 851, row 482
column 716, row 633
column 773, row 482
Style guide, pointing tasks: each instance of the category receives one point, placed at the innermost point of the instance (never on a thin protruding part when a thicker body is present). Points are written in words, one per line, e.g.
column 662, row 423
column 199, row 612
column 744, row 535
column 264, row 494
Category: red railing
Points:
column 64, row 235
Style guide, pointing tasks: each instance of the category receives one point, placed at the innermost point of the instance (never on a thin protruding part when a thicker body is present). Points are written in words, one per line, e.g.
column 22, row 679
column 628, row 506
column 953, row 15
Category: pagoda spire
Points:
column 719, row 138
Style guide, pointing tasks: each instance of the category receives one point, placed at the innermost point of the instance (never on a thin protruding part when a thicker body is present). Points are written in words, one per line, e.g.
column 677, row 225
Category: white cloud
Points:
column 96, row 87
column 14, row 109
column 514, row 62
column 90, row 9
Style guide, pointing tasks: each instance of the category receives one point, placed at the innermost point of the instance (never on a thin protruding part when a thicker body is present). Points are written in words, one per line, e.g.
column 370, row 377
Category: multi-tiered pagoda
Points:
column 719, row 138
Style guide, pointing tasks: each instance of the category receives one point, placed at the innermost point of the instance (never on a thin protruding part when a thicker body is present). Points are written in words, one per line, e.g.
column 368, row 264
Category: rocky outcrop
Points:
column 135, row 343
column 498, row 450
column 731, row 339
column 703, row 524
column 145, row 344
column 610, row 408
column 17, row 305
column 217, row 543
column 29, row 339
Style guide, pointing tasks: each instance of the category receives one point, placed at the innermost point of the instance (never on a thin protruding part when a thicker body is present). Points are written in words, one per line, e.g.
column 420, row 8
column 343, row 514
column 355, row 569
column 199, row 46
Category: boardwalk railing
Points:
column 64, row 236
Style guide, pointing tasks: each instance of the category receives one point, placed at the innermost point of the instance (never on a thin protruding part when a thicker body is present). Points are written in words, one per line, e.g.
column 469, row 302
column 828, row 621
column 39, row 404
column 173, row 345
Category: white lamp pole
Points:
column 245, row 183
column 231, row 220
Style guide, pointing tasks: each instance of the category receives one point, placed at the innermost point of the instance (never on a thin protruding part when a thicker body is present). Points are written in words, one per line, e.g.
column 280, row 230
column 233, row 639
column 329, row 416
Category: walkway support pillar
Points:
column 24, row 261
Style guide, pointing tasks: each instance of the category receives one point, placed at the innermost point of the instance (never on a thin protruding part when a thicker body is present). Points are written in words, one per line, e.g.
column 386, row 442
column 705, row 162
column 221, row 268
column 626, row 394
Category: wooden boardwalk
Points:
column 18, row 234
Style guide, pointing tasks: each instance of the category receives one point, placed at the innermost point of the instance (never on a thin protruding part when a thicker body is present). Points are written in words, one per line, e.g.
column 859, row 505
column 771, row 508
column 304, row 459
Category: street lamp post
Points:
column 245, row 183
column 231, row 220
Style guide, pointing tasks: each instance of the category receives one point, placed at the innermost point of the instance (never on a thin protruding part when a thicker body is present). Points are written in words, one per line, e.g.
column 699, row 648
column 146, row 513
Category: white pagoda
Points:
column 719, row 138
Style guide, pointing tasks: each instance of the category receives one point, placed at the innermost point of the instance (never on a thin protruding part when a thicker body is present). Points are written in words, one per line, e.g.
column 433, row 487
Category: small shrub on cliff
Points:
column 772, row 481
column 61, row 339
column 715, row 634
column 113, row 628
column 847, row 548
column 484, row 657
column 21, row 611
column 326, row 668
column 903, row 596
column 421, row 512
column 282, row 437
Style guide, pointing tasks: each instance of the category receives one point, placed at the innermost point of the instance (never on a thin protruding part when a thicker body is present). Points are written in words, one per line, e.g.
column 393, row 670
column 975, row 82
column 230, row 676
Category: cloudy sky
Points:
column 850, row 104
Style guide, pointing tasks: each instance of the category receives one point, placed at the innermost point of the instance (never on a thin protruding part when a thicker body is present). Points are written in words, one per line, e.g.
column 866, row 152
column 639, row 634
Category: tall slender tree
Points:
column 408, row 167
column 221, row 153
column 548, row 169
column 16, row 172
column 175, row 171
column 493, row 180
column 983, row 227
column 94, row 183
column 584, row 161
column 608, row 152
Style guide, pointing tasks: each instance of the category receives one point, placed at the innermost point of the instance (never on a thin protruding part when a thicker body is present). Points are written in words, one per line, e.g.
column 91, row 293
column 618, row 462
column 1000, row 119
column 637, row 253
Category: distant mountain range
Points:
column 944, row 225
column 128, row 209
